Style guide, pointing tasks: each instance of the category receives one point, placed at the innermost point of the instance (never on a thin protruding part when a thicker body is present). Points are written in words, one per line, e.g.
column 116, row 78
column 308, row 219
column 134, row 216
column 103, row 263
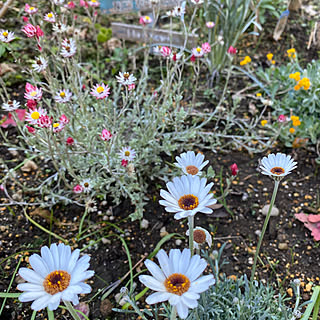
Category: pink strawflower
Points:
column 25, row 19
column 210, row 24
column 29, row 30
column 282, row 118
column 232, row 50
column 206, row 48
column 50, row 17
column 31, row 130
column 78, row 188
column 83, row 4
column 34, row 94
column 94, row 3
column 197, row 52
column 165, row 51
column 58, row 126
column 100, row 91
column 124, row 162
column 193, row 58
column 105, row 135
column 131, row 86
column 29, row 87
column 70, row 5
column 31, row 104
column 6, row 36
column 64, row 119
column 39, row 32
column 44, row 121
column 145, row 20
column 32, row 116
column 30, row 9
column 70, row 141
column 234, row 169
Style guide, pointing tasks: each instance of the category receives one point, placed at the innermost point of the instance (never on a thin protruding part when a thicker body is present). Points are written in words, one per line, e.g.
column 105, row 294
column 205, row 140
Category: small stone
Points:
column 17, row 196
column 283, row 246
column 144, row 224
column 29, row 166
column 106, row 307
column 106, row 241
column 163, row 232
column 257, row 233
column 274, row 211
column 178, row 242
column 250, row 260
column 14, row 153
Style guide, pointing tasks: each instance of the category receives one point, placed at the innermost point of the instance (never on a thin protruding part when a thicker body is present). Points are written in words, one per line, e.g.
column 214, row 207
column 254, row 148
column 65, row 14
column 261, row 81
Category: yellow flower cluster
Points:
column 291, row 53
column 269, row 57
column 304, row 82
column 295, row 121
column 264, row 122
column 246, row 60
column 295, row 76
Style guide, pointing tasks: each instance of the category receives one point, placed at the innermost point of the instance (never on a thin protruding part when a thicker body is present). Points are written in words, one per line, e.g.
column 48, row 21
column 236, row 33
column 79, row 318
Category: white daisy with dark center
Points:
column 187, row 195
column 177, row 280
column 57, row 275
column 277, row 165
column 200, row 237
column 191, row 163
column 125, row 78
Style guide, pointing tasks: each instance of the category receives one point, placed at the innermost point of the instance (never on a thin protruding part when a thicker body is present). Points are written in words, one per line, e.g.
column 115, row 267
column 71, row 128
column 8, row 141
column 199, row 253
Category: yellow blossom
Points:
column 273, row 62
column 258, row 94
column 264, row 122
column 246, row 60
column 291, row 53
column 292, row 130
column 296, row 123
column 295, row 76
column 269, row 56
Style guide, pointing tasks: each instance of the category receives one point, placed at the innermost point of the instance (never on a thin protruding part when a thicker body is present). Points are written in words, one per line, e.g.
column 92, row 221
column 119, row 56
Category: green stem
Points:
column 191, row 226
column 173, row 315
column 71, row 309
column 275, row 190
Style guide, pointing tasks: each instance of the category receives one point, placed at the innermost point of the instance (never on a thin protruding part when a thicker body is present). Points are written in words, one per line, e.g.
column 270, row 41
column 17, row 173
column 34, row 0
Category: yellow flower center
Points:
column 5, row 33
column 33, row 93
column 62, row 94
column 100, row 89
column 198, row 50
column 50, row 15
column 127, row 153
column 56, row 124
column 31, row 8
column 147, row 18
column 199, row 236
column 126, row 75
column 35, row 115
column 177, row 283
column 188, row 202
column 277, row 170
column 193, row 170
column 56, row 281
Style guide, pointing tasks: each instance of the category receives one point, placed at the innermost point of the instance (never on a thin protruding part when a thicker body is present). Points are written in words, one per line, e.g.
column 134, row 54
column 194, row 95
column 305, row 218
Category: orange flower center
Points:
column 192, row 170
column 127, row 153
column 277, row 170
column 199, row 236
column 177, row 283
column 188, row 202
column 56, row 281
column 86, row 184
column 126, row 75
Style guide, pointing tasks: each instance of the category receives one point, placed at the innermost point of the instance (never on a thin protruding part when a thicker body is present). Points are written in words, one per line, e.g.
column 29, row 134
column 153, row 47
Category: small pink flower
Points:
column 124, row 162
column 131, row 86
column 30, row 9
column 100, row 91
column 31, row 104
column 29, row 30
column 64, row 119
column 39, row 32
column 234, row 169
column 145, row 20
column 232, row 50
column 83, row 4
column 197, row 52
column 78, row 189
column 29, row 87
column 210, row 24
column 282, row 118
column 31, row 130
column 155, row 94
column 93, row 3
column 44, row 121
column 58, row 126
column 95, row 13
column 165, row 51
column 206, row 47
column 70, row 141
column 105, row 135
column 25, row 19
column 70, row 5
column 193, row 58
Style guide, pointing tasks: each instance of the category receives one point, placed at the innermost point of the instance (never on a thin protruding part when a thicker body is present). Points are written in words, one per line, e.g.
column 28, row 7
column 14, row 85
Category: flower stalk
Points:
column 191, row 227
column 173, row 315
column 71, row 310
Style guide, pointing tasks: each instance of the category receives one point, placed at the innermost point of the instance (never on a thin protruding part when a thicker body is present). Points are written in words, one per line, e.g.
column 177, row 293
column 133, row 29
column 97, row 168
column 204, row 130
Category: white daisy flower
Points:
column 57, row 127
column 6, row 36
column 40, row 64
column 63, row 96
column 126, row 153
column 191, row 163
column 197, row 2
column 57, row 275
column 11, row 105
column 69, row 51
column 32, row 116
column 59, row 27
column 50, row 17
column 125, row 78
column 177, row 280
column 35, row 94
column 58, row 2
column 277, row 165
column 93, row 3
column 68, row 42
column 86, row 184
column 197, row 52
column 200, row 236
column 187, row 195
column 179, row 11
